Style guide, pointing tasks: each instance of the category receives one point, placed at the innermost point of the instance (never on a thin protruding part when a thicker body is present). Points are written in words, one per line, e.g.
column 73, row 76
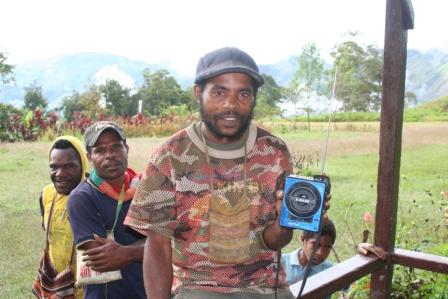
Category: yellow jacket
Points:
column 60, row 234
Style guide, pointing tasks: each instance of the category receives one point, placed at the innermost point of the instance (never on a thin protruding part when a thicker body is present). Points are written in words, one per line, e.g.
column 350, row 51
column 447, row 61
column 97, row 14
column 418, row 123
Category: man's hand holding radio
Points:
column 276, row 236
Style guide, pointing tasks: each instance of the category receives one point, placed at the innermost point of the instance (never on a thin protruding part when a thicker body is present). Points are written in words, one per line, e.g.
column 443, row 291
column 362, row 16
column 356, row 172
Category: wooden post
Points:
column 399, row 18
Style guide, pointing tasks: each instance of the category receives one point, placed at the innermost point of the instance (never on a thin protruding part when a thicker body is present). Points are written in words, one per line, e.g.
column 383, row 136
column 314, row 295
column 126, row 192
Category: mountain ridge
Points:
column 59, row 76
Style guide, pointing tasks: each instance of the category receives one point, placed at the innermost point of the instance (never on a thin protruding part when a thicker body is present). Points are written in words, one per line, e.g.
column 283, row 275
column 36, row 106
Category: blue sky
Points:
column 180, row 31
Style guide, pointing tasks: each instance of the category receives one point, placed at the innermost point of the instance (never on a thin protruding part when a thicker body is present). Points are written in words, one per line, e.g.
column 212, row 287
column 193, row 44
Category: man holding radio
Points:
column 208, row 201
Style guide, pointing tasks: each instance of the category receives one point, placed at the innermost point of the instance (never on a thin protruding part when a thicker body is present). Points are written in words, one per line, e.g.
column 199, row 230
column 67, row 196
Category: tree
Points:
column 6, row 70
column 71, row 104
column 87, row 102
column 34, row 97
column 359, row 75
column 118, row 99
column 160, row 91
column 410, row 99
column 307, row 79
column 373, row 72
column 269, row 95
column 90, row 101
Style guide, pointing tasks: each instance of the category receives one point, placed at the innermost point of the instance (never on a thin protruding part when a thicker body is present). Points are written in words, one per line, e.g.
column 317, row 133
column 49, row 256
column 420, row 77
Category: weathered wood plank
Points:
column 420, row 260
column 394, row 71
column 337, row 277
column 408, row 14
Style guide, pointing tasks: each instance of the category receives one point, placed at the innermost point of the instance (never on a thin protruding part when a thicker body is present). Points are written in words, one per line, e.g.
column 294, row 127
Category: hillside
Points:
column 427, row 74
column 436, row 110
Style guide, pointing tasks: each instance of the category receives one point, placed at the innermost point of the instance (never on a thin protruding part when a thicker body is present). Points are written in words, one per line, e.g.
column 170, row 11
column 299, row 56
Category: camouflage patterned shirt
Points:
column 173, row 199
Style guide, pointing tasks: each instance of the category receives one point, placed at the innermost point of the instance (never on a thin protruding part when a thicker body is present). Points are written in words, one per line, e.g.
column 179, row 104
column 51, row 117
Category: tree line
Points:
column 356, row 68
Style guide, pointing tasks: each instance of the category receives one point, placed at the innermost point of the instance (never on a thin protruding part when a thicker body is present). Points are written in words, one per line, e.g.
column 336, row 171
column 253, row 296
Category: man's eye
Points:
column 218, row 92
column 99, row 150
column 69, row 166
column 116, row 147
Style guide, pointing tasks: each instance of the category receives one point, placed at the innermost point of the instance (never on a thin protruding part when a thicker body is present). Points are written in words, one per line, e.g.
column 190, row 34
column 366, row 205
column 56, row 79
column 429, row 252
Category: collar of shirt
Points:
column 295, row 257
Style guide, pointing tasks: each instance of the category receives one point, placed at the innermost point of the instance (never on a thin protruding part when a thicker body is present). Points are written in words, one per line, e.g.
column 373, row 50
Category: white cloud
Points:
column 111, row 72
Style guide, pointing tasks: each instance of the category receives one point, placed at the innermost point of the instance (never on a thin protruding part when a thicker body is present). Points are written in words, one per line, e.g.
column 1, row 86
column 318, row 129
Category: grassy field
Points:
column 352, row 165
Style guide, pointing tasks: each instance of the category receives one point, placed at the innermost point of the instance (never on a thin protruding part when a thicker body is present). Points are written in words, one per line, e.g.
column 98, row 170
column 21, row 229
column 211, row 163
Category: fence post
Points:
column 399, row 18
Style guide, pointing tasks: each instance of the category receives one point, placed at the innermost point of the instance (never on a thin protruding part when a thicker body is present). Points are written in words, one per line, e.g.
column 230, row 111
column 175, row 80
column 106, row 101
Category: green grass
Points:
column 23, row 172
column 423, row 177
column 430, row 111
column 352, row 165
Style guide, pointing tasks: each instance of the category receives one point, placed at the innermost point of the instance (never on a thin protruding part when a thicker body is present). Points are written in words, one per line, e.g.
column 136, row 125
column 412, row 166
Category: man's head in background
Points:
column 327, row 239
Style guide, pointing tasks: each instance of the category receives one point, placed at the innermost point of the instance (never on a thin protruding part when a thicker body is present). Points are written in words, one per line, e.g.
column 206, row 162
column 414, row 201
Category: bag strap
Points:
column 119, row 206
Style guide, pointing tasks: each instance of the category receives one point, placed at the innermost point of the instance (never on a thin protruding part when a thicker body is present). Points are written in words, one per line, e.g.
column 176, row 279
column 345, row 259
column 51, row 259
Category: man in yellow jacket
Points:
column 68, row 165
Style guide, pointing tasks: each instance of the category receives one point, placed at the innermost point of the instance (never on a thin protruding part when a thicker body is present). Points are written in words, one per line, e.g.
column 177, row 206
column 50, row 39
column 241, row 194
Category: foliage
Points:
column 8, row 115
column 118, row 99
column 409, row 282
column 269, row 95
column 70, row 105
column 436, row 110
column 182, row 110
column 343, row 117
column 34, row 97
column 307, row 79
column 304, row 163
column 25, row 126
column 88, row 102
column 359, row 76
column 6, row 70
column 308, row 76
column 410, row 99
column 16, row 124
column 160, row 91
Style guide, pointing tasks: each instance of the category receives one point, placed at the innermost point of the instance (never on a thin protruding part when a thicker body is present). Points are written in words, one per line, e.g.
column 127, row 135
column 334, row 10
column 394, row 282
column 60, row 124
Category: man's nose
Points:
column 60, row 172
column 231, row 100
column 110, row 152
column 318, row 252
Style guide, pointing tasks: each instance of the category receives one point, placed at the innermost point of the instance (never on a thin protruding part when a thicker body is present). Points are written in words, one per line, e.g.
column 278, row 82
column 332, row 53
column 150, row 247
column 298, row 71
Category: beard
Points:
column 210, row 121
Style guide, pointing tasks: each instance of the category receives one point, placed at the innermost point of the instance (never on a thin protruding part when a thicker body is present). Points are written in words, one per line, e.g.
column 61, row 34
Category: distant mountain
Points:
column 427, row 74
column 281, row 71
column 62, row 75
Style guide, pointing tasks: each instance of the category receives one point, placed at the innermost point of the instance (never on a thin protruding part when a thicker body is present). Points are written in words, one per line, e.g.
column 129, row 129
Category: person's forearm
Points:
column 275, row 236
column 135, row 251
column 157, row 267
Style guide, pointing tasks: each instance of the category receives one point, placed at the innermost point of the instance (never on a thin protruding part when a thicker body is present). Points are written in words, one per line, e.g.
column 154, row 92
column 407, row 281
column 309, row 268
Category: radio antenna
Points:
column 330, row 112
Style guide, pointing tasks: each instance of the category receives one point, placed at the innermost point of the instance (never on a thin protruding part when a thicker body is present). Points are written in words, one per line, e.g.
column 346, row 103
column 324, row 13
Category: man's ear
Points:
column 197, row 92
column 127, row 147
column 89, row 155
